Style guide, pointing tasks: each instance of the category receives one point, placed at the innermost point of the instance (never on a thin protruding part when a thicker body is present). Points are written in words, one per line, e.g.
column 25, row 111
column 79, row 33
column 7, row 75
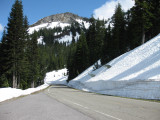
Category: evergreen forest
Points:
column 24, row 62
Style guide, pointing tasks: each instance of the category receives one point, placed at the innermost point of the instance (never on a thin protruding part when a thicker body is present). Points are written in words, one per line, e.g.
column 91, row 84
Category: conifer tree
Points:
column 100, row 34
column 25, row 61
column 91, row 35
column 33, row 60
column 82, row 53
column 15, row 41
column 118, row 42
column 106, row 50
column 155, row 10
column 3, row 61
column 142, row 17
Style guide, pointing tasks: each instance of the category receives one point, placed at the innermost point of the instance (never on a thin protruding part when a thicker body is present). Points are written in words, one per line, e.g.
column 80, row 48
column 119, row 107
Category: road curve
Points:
column 38, row 106
column 102, row 107
column 63, row 103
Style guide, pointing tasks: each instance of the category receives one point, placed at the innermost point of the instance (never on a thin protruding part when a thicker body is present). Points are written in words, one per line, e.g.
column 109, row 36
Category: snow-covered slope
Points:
column 48, row 25
column 56, row 77
column 134, row 74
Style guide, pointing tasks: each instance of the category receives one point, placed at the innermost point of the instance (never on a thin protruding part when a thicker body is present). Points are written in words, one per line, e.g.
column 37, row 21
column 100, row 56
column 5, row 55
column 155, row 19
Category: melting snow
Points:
column 135, row 74
column 54, row 77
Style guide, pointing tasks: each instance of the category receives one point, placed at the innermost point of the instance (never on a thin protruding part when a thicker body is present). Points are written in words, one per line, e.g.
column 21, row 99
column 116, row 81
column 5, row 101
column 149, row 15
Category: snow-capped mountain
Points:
column 59, row 20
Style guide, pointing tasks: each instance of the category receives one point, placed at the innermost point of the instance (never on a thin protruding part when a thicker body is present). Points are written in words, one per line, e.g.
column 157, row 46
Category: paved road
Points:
column 63, row 103
column 38, row 107
column 102, row 107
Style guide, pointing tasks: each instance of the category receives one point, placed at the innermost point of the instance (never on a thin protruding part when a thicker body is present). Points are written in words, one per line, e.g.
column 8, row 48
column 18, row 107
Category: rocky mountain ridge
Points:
column 63, row 18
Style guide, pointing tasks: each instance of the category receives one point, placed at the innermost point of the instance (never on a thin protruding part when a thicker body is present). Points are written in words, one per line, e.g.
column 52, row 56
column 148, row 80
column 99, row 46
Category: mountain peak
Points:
column 63, row 18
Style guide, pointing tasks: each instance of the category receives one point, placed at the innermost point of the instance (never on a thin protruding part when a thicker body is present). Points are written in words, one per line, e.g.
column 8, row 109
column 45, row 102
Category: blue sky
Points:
column 37, row 9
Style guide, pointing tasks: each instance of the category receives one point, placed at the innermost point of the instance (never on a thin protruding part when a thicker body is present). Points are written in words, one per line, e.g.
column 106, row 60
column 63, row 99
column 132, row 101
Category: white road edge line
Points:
column 93, row 110
column 107, row 115
column 89, row 108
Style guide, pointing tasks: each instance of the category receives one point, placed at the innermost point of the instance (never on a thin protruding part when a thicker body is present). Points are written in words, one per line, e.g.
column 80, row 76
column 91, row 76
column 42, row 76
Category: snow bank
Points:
column 135, row 74
column 54, row 77
column 8, row 93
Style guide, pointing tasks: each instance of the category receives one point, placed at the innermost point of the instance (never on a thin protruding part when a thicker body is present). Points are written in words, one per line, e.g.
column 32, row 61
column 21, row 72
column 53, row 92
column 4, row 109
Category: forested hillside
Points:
column 24, row 60
column 105, row 40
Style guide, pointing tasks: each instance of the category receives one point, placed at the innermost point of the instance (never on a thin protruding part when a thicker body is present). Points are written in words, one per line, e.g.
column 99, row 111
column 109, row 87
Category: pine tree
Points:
column 106, row 50
column 15, row 42
column 100, row 34
column 82, row 53
column 142, row 17
column 33, row 60
column 155, row 10
column 25, row 61
column 118, row 43
column 71, row 62
column 3, row 61
column 91, row 35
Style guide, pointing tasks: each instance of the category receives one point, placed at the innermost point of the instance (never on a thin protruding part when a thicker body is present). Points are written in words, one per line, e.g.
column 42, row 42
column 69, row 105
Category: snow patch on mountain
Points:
column 47, row 26
column 82, row 22
column 68, row 38
column 40, row 40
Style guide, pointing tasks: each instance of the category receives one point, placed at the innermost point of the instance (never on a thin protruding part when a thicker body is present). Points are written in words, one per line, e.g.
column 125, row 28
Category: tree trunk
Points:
column 14, row 80
column 18, row 84
column 32, row 84
column 143, row 36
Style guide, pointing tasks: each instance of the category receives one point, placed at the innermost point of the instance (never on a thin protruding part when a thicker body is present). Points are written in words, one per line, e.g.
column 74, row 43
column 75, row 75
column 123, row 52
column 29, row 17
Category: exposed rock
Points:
column 63, row 18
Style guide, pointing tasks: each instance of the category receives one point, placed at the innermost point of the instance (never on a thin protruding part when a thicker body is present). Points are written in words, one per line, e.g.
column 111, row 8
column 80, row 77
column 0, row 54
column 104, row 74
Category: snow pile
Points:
column 68, row 38
column 48, row 25
column 56, row 77
column 8, row 93
column 135, row 74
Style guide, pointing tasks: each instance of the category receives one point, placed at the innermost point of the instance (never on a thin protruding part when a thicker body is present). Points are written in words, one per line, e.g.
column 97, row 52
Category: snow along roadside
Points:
column 9, row 93
column 54, row 77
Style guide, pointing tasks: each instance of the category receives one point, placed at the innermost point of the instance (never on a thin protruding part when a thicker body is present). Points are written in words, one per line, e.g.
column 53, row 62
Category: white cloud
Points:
column 1, row 28
column 107, row 10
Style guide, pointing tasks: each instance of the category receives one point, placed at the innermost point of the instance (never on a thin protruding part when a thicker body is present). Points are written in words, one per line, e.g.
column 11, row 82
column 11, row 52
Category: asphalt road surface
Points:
column 63, row 103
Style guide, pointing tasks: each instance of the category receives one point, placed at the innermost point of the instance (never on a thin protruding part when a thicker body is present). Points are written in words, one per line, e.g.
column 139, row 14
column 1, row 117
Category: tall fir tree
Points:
column 91, row 35
column 82, row 54
column 106, row 49
column 142, row 17
column 4, row 61
column 15, row 42
column 33, row 60
column 118, row 42
column 100, row 34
